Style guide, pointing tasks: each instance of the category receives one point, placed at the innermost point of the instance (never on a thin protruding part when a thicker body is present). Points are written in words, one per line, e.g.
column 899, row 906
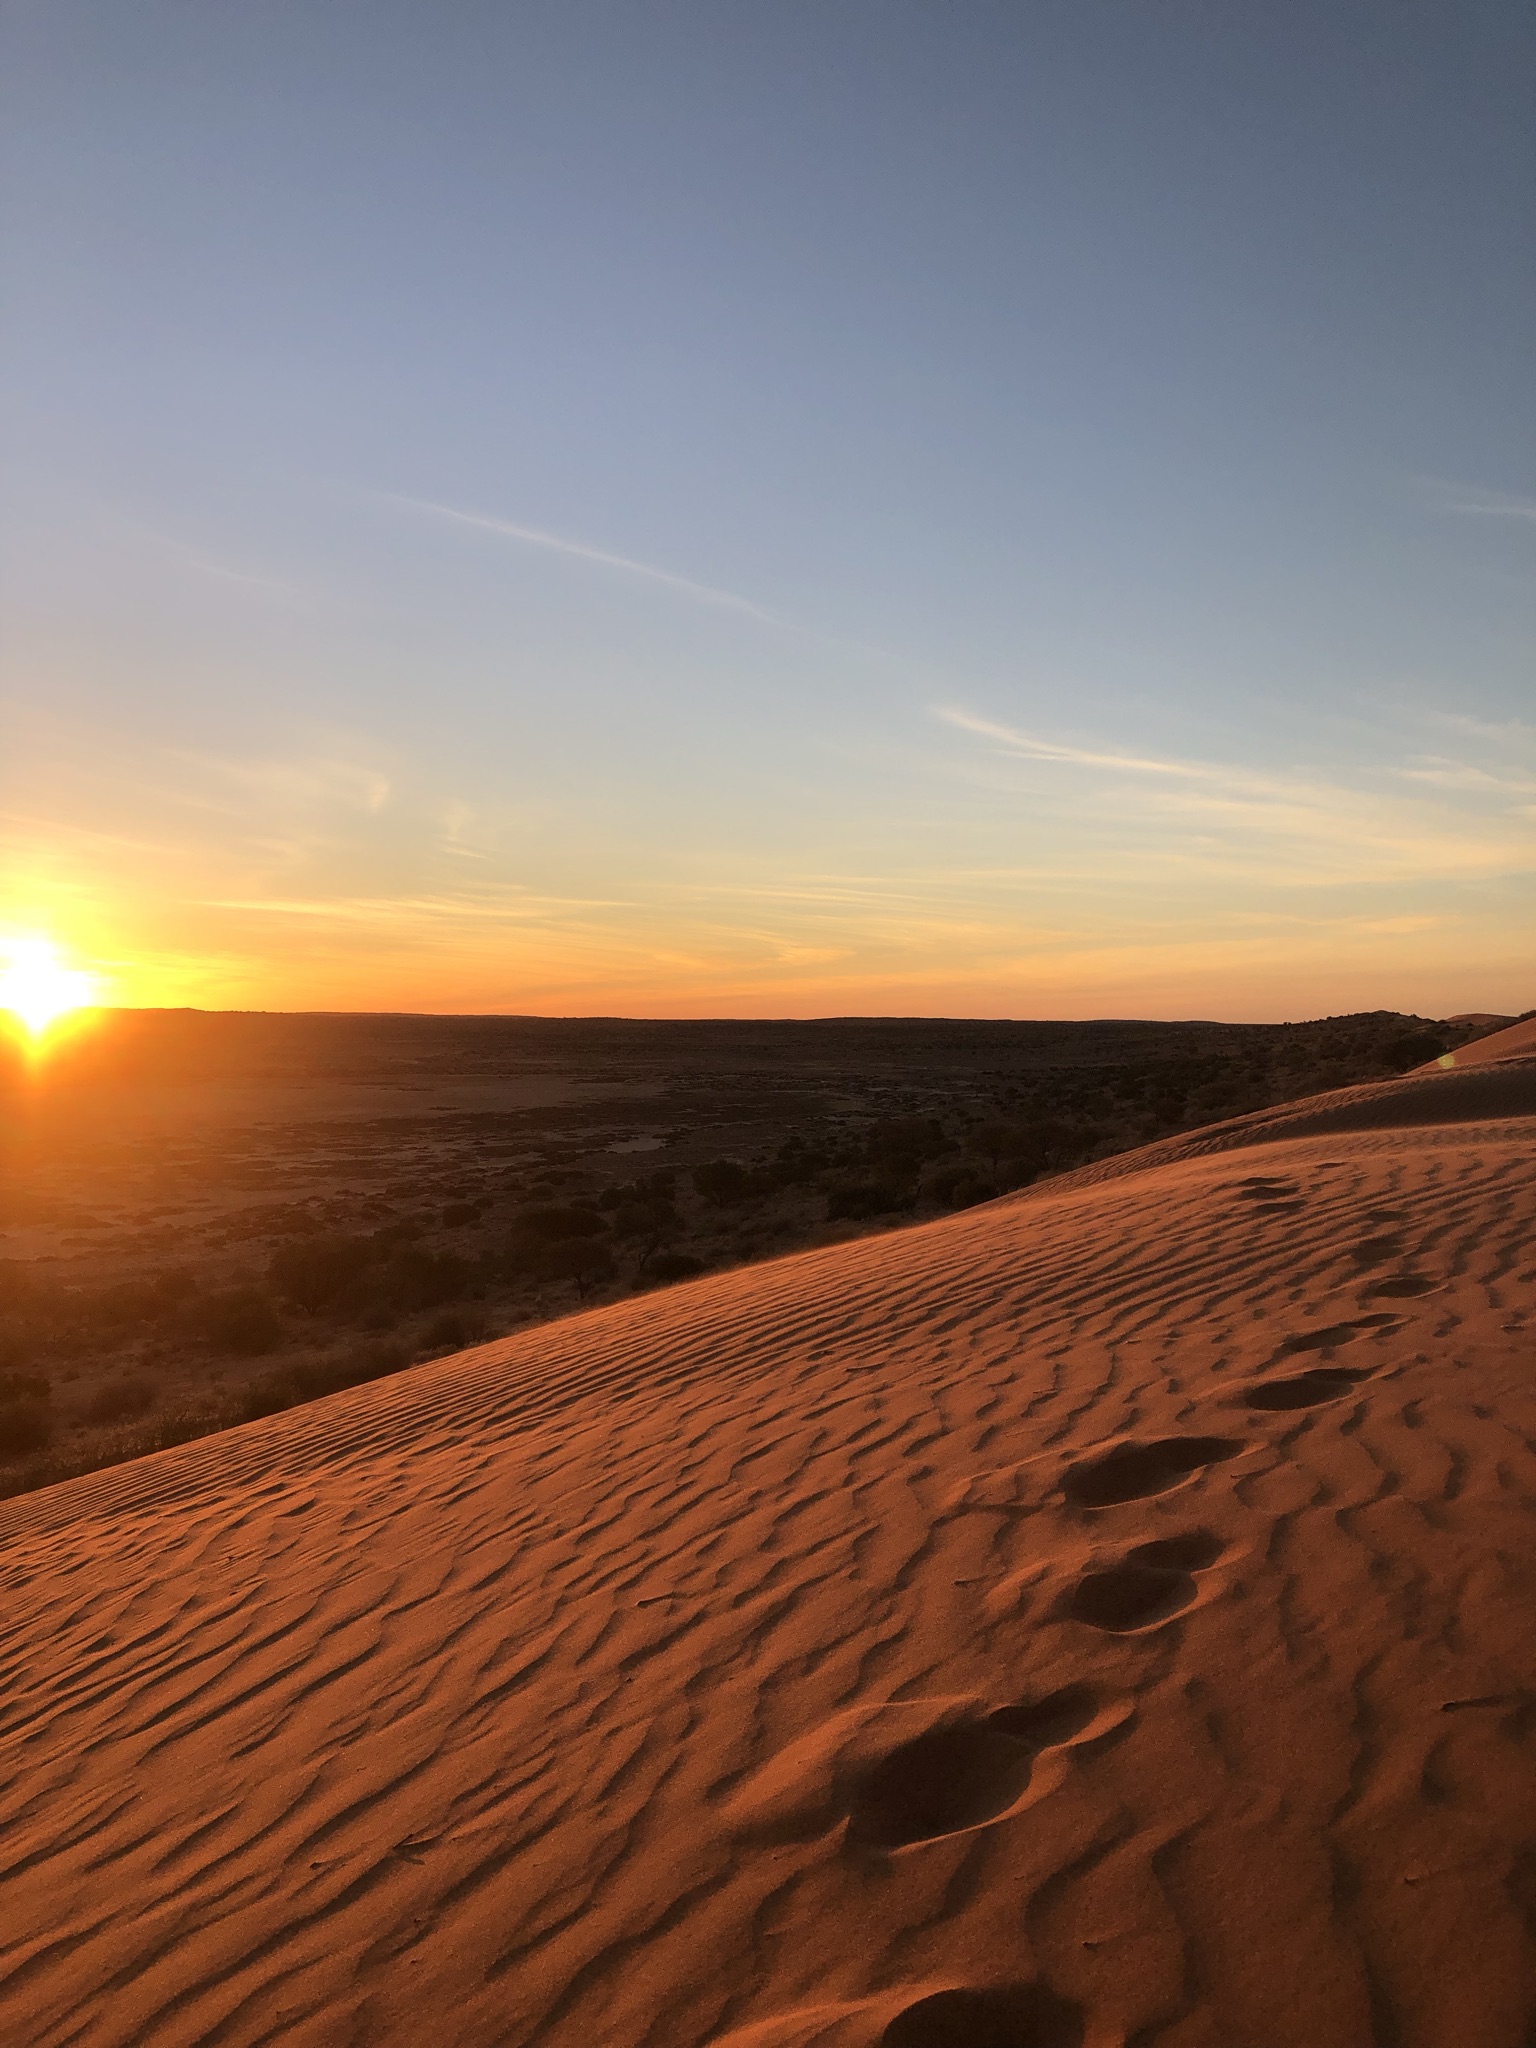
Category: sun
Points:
column 37, row 987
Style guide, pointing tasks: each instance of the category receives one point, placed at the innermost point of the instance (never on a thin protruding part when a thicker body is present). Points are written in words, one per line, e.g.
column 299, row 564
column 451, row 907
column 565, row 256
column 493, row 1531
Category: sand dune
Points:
column 1105, row 1617
column 1516, row 1041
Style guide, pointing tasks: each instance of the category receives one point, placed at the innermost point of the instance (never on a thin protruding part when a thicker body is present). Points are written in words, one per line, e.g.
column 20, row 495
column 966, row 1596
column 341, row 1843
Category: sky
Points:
column 924, row 507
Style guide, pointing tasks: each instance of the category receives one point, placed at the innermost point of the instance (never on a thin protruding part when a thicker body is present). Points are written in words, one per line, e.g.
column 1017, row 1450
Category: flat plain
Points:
column 207, row 1218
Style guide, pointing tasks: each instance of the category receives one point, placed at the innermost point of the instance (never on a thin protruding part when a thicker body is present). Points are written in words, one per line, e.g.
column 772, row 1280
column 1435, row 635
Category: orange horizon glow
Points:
column 76, row 945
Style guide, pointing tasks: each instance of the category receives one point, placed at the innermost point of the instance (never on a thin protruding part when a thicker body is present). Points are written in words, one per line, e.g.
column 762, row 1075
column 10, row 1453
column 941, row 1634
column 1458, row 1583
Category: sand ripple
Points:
column 1105, row 1617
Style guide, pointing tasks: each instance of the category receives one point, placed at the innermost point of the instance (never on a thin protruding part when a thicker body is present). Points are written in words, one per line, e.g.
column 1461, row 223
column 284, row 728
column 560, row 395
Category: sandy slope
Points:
column 1104, row 1617
column 1515, row 1041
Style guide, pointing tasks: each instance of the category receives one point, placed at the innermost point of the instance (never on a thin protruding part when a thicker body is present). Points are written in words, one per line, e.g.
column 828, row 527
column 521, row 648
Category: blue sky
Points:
column 707, row 509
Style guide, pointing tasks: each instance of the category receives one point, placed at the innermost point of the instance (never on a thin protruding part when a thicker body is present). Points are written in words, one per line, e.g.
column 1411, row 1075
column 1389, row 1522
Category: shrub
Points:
column 369, row 1362
column 649, row 1225
column 551, row 1243
column 724, row 1182
column 959, row 1186
column 670, row 1266
column 311, row 1379
column 1412, row 1049
column 581, row 1259
column 417, row 1278
column 860, row 1199
column 794, row 1166
column 121, row 1401
column 268, row 1395
column 315, row 1273
column 241, row 1321
column 18, row 1285
column 23, row 1386
column 548, row 1223
column 901, row 1145
column 451, row 1332
column 646, row 1187
column 122, row 1306
column 25, row 1426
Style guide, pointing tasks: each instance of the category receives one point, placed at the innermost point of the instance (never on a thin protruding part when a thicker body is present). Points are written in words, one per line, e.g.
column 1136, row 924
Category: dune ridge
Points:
column 1102, row 1618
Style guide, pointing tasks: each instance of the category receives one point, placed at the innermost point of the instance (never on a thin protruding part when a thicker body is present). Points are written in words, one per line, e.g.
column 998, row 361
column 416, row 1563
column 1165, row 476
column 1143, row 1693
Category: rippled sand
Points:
column 1105, row 1617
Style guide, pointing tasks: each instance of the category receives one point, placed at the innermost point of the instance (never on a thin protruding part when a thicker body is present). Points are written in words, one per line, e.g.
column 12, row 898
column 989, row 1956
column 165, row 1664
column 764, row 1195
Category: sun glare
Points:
column 37, row 987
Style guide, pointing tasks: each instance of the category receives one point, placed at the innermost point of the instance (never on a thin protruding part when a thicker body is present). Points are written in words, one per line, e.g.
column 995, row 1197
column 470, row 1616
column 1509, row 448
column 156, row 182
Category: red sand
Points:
column 1516, row 1041
column 1106, row 1617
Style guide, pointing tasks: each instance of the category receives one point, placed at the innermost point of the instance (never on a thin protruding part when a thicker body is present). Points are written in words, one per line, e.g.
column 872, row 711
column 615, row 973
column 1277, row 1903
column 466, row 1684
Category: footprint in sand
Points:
column 1304, row 1389
column 1271, row 1197
column 1375, row 1251
column 961, row 1777
column 1135, row 1471
column 1151, row 1583
column 1331, row 1335
column 1013, row 2016
column 1405, row 1286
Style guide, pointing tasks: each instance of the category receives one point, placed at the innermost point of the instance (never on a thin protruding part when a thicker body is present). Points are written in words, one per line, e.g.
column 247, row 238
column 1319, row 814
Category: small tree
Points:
column 586, row 1260
column 723, row 1182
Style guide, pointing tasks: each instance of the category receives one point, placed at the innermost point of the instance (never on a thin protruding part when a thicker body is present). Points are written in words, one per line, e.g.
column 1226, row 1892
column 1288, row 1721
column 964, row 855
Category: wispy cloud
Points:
column 1473, row 501
column 501, row 906
column 1445, row 774
column 1454, row 819
column 1029, row 747
column 316, row 781
column 533, row 536
column 181, row 555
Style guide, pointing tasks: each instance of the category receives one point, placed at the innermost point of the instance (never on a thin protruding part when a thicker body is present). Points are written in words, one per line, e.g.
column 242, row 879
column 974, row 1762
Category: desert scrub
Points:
column 309, row 1378
column 120, row 1401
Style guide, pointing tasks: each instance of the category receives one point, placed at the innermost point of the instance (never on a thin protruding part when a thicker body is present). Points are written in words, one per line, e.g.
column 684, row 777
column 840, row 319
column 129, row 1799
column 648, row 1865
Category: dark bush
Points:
column 648, row 1225
column 416, row 1278
column 903, row 1144
column 121, row 1401
column 268, row 1395
column 582, row 1259
column 547, row 1223
column 18, row 1285
column 20, row 1344
column 725, row 1182
column 794, row 1166
column 405, row 1230
column 453, row 1331
column 369, row 1362
column 670, row 1266
column 550, row 1243
column 241, row 1320
column 1412, row 1049
column 23, row 1386
column 959, row 1186
column 457, row 1214
column 645, row 1188
column 310, row 1379
column 316, row 1273
column 860, row 1199
column 126, row 1305
column 129, row 1304
column 25, row 1426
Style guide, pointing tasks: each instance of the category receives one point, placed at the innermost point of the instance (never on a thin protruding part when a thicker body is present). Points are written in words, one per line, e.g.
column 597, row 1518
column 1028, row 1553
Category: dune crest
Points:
column 1515, row 1042
column 1102, row 1617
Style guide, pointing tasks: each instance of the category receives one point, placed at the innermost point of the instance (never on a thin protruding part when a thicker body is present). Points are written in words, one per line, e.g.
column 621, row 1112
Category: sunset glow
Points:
column 855, row 518
column 38, row 988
